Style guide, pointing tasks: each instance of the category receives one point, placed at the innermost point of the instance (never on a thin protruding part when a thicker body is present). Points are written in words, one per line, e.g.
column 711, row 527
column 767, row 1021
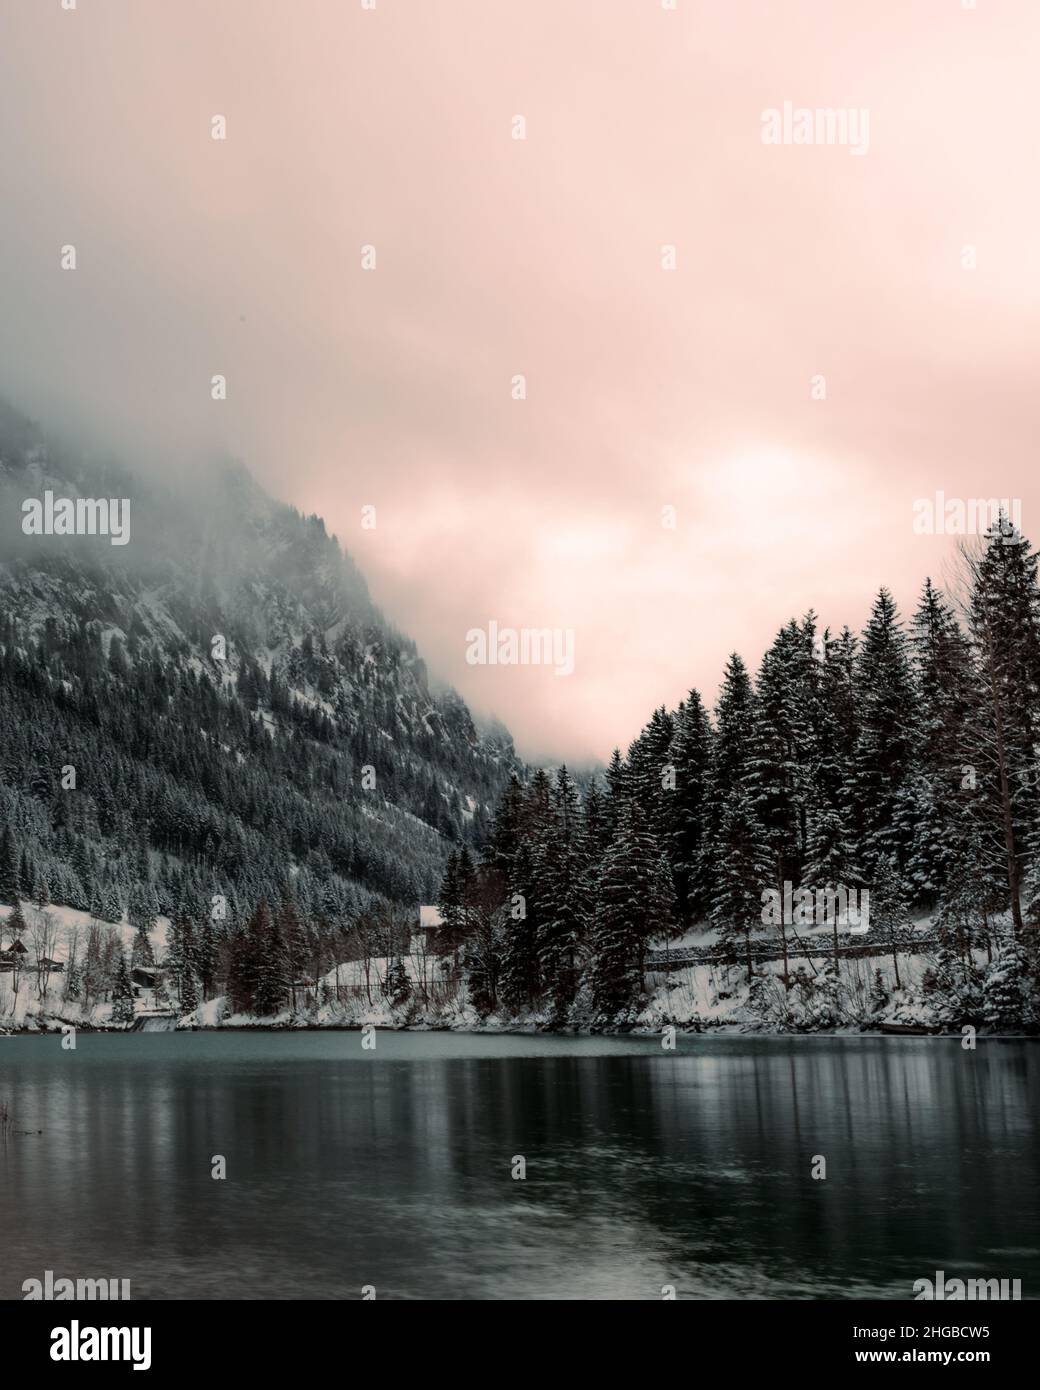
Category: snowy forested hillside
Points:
column 214, row 716
column 902, row 764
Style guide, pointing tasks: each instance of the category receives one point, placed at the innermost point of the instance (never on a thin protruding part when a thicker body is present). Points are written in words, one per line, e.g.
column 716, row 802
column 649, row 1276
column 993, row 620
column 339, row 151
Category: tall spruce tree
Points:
column 10, row 883
column 271, row 992
column 1005, row 632
column 122, row 992
column 633, row 903
column 880, row 786
column 564, row 893
column 690, row 754
column 946, row 697
column 730, row 755
column 519, row 980
column 779, row 752
column 651, row 777
column 744, row 871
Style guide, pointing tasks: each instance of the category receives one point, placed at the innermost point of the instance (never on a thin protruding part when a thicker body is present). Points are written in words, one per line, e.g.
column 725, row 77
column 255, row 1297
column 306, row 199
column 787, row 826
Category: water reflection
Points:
column 393, row 1168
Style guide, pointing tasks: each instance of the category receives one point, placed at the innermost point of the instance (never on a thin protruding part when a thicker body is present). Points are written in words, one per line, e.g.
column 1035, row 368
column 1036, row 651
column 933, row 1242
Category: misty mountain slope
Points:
column 236, row 710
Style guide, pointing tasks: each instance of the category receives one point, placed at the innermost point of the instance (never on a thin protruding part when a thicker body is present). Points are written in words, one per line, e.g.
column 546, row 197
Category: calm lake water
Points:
column 393, row 1168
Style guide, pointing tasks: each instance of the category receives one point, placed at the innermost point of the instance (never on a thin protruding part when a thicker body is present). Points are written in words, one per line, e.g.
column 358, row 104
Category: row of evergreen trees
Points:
column 903, row 762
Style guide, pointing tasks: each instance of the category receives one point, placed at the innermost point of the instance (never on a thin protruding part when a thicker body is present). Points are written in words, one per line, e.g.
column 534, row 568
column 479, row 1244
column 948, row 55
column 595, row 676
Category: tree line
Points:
column 902, row 761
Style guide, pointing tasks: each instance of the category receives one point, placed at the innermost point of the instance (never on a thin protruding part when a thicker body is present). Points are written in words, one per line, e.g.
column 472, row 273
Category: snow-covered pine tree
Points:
column 241, row 965
column 1004, row 627
column 782, row 754
column 884, row 760
column 838, row 684
column 730, row 757
column 506, row 829
column 292, row 936
column 111, row 903
column 744, row 870
column 596, row 827
column 519, row 981
column 563, row 892
column 632, row 905
column 649, row 777
column 449, row 899
column 945, row 700
column 957, row 988
column 1009, row 999
column 26, row 875
column 122, row 992
column 10, row 885
column 529, row 901
column 93, row 965
column 15, row 926
column 189, row 994
column 778, row 750
column 830, row 858
column 271, row 994
column 187, row 961
column 617, row 793
column 141, row 951
column 206, row 955
column 398, row 987
column 142, row 911
column 690, row 755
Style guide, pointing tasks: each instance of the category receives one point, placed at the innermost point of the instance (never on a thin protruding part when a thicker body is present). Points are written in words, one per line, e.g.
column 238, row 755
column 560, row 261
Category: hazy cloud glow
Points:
column 645, row 388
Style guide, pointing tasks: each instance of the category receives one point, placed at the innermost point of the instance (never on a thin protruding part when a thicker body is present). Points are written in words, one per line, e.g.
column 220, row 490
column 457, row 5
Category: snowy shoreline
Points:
column 860, row 995
column 52, row 1027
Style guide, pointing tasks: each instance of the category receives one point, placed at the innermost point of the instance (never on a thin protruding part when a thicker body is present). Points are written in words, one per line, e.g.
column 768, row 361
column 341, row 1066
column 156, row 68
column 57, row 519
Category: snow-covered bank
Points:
column 862, row 996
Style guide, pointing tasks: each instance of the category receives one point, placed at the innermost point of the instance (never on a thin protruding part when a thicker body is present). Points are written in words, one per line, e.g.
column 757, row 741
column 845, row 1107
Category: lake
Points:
column 393, row 1168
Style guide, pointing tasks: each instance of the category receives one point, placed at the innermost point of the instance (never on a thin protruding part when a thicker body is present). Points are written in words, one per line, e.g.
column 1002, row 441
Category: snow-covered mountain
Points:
column 216, row 706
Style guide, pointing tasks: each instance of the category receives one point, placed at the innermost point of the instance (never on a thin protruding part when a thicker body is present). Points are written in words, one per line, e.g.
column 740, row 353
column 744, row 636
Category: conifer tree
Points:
column 141, row 952
column 93, row 967
column 1005, row 634
column 690, row 755
column 880, row 786
column 506, row 828
column 291, row 936
column 596, row 827
column 122, row 992
column 189, row 997
column 16, row 927
column 633, row 904
column 780, row 758
column 744, row 871
column 271, row 988
column 730, row 753
column 946, row 698
column 520, row 980
column 398, row 987
column 563, row 888
column 617, row 793
column 449, row 900
column 651, row 777
column 10, row 884
column 1009, row 989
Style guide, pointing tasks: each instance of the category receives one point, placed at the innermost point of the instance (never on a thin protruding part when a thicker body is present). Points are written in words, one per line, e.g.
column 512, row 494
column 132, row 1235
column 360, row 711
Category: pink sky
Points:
column 646, row 388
